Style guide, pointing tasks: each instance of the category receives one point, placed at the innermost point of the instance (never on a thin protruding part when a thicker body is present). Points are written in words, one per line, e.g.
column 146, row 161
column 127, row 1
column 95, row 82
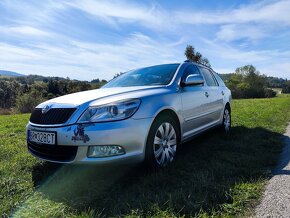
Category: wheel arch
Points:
column 147, row 149
column 228, row 105
column 173, row 114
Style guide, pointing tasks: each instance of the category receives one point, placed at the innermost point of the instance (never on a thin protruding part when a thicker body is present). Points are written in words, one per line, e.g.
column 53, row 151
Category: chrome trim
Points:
column 202, row 115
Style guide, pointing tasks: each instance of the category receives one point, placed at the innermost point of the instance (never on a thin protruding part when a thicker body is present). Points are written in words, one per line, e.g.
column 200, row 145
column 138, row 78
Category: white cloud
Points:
column 115, row 12
column 23, row 30
column 250, row 22
column 275, row 12
column 42, row 49
column 30, row 13
column 230, row 53
column 84, row 60
column 13, row 53
column 280, row 69
column 232, row 32
column 261, row 12
column 226, row 58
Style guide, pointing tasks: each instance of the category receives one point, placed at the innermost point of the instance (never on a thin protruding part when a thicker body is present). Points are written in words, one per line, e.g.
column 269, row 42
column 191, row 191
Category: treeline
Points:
column 275, row 82
column 24, row 93
column 247, row 82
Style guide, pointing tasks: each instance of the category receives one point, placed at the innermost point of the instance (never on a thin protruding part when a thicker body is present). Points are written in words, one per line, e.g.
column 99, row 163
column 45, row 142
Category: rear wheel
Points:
column 227, row 120
column 162, row 142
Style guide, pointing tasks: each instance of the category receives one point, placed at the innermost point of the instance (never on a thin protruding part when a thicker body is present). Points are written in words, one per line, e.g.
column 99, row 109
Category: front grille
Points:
column 53, row 116
column 53, row 152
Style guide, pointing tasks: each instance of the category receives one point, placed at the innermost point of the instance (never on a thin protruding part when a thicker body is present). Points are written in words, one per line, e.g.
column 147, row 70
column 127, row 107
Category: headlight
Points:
column 115, row 111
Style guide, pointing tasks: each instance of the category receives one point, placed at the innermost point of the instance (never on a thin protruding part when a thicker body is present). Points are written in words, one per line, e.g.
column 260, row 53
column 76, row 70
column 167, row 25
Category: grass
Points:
column 213, row 176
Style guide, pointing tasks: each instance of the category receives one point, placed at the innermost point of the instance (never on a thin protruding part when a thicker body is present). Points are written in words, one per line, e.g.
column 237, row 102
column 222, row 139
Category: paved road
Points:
column 276, row 199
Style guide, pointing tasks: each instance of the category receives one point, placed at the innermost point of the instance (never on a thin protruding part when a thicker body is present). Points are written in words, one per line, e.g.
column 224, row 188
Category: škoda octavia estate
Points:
column 142, row 115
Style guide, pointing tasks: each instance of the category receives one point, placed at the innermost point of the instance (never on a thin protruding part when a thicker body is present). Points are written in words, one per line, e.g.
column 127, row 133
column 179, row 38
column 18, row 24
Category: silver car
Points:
column 140, row 116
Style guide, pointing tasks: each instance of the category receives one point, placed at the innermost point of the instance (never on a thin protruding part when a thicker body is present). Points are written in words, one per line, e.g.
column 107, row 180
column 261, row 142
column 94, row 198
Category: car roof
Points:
column 198, row 64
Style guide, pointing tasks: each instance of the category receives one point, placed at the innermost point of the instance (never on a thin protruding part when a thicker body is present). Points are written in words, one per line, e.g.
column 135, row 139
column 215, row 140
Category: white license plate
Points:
column 42, row 137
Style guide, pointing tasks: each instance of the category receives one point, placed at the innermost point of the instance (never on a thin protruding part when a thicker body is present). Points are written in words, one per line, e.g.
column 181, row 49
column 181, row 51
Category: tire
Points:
column 162, row 142
column 227, row 120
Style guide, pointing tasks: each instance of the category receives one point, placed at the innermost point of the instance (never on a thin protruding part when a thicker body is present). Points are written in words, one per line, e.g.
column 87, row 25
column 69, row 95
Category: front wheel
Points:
column 162, row 142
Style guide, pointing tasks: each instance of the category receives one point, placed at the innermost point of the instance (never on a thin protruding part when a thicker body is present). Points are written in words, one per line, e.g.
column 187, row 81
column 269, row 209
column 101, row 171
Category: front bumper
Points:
column 72, row 146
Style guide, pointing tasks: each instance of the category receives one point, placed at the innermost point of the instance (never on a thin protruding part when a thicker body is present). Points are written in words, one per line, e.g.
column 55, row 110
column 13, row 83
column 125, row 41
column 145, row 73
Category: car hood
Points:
column 76, row 99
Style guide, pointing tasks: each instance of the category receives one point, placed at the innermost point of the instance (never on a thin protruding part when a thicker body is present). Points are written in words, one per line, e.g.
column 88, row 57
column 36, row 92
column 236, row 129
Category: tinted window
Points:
column 191, row 69
column 148, row 76
column 210, row 81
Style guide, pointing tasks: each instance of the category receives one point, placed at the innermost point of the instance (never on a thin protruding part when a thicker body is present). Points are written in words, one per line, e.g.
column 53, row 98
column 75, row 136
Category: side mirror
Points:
column 192, row 80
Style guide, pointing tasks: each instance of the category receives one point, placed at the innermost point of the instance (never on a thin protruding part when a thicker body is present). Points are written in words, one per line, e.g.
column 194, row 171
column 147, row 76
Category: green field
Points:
column 213, row 176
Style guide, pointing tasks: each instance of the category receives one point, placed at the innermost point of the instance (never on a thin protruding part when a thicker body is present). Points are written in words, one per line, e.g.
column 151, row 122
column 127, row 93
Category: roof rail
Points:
column 190, row 61
column 205, row 65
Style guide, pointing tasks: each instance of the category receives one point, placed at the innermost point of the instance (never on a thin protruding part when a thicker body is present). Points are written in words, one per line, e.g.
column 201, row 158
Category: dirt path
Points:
column 276, row 199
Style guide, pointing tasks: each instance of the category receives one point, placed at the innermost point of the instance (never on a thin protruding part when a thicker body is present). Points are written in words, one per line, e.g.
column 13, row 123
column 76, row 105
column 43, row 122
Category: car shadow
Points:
column 200, row 179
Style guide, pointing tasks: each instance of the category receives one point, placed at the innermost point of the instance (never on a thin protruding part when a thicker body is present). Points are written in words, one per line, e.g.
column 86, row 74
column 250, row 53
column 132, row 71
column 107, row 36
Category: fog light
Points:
column 105, row 151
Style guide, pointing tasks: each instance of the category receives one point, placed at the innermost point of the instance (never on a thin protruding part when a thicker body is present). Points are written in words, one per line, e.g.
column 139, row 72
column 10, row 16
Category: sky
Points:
column 89, row 39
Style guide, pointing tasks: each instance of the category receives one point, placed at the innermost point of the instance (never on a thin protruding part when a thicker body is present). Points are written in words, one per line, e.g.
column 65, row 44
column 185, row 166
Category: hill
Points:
column 9, row 73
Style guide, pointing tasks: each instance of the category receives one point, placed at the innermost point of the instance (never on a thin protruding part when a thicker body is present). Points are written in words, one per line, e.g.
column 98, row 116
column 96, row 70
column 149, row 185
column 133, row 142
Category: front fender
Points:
column 153, row 105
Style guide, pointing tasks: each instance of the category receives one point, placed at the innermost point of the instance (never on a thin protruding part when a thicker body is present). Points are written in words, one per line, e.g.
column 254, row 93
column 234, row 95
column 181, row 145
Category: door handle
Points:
column 206, row 94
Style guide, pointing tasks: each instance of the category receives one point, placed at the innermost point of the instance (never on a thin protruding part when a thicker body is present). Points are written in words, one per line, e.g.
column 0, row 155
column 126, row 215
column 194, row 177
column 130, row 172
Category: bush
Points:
column 247, row 82
column 286, row 88
column 27, row 102
column 270, row 93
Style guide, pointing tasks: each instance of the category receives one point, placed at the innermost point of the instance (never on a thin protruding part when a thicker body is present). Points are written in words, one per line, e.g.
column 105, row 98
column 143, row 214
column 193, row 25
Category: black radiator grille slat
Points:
column 53, row 152
column 53, row 116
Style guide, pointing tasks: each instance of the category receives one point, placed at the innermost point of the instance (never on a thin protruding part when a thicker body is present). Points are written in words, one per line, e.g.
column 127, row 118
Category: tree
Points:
column 286, row 87
column 25, row 93
column 247, row 82
column 118, row 74
column 53, row 87
column 195, row 56
column 205, row 61
column 95, row 80
column 8, row 93
column 190, row 53
column 2, row 96
column 27, row 102
column 247, row 69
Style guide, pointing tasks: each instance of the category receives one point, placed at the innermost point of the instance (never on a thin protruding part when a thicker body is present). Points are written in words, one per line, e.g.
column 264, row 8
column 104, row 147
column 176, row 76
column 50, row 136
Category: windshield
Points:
column 148, row 76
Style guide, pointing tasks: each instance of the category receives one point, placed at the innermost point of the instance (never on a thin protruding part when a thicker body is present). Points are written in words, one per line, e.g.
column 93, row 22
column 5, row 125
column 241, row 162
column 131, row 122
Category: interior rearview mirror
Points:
column 192, row 80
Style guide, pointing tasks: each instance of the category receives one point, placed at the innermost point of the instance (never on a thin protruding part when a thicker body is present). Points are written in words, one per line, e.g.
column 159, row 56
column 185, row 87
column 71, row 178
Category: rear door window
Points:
column 210, row 80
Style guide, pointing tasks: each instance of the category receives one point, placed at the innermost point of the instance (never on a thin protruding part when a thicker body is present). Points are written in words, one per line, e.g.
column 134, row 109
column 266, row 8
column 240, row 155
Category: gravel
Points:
column 276, row 198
